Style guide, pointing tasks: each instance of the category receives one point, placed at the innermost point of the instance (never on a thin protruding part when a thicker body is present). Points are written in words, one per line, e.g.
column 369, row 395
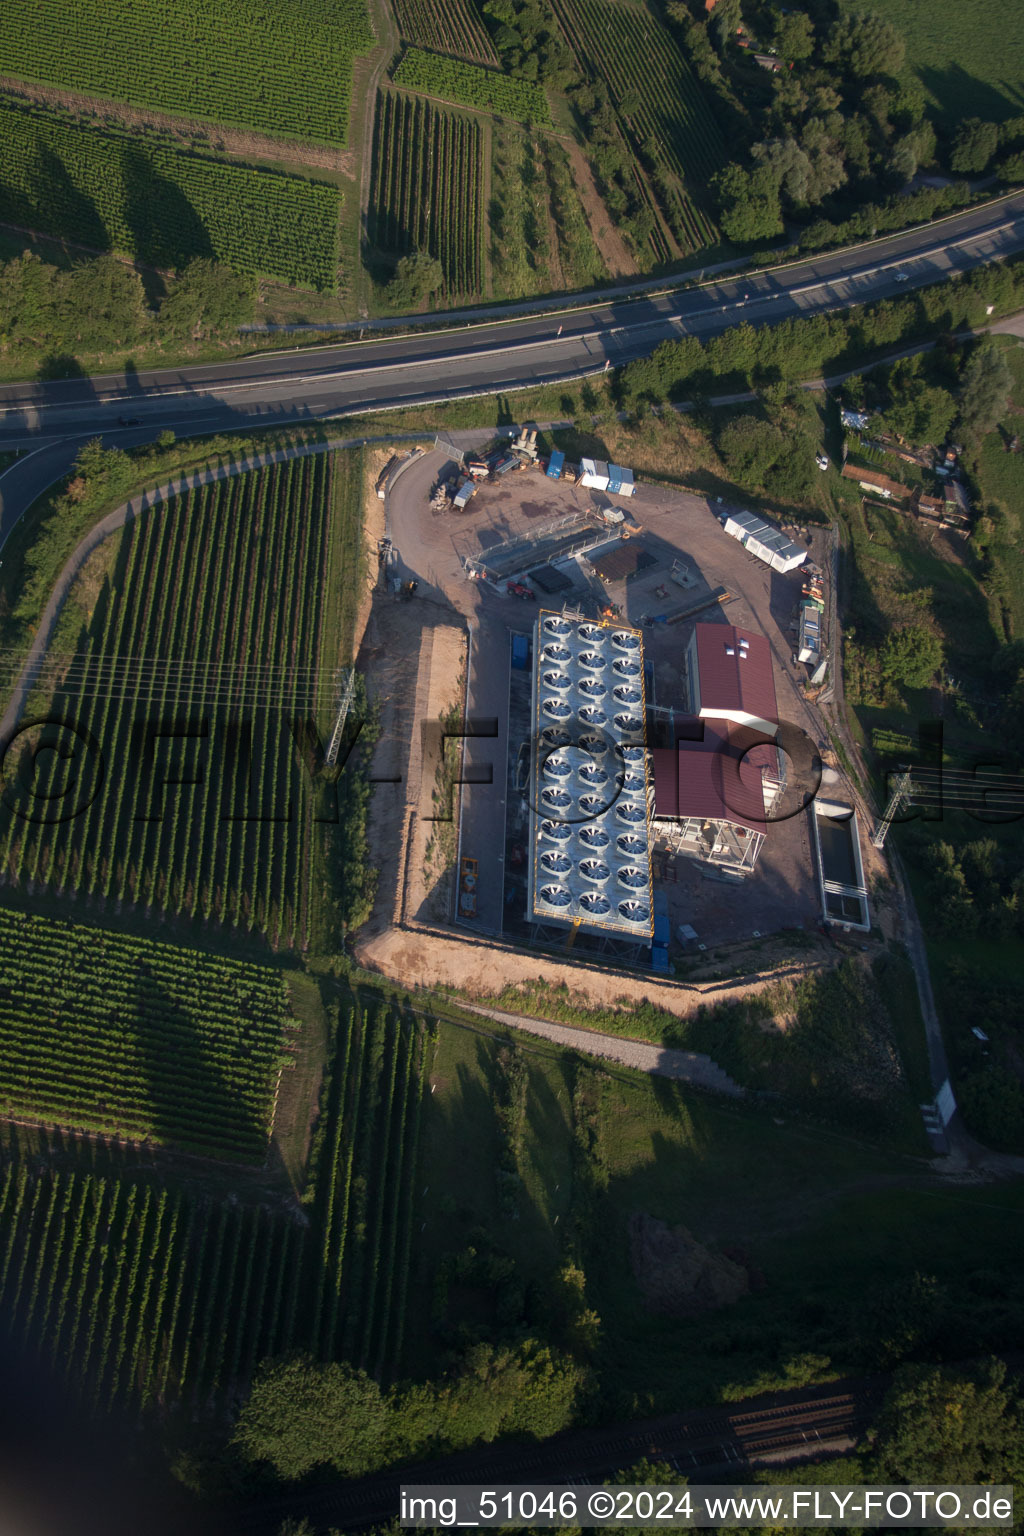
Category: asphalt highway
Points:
column 278, row 388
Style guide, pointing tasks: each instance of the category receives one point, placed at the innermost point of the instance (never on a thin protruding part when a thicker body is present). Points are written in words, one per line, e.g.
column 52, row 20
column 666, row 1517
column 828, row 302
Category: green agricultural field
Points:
column 104, row 1032
column 140, row 1294
column 446, row 26
column 164, row 205
column 363, row 1187
column 427, row 194
column 471, row 86
column 279, row 69
column 661, row 101
column 831, row 1231
column 218, row 628
column 969, row 58
column 154, row 1296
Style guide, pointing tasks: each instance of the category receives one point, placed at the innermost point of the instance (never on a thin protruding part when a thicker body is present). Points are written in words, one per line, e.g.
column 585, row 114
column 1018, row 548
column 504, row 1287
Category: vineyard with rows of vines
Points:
column 279, row 69
column 427, row 191
column 659, row 98
column 153, row 1296
column 144, row 1295
column 470, row 86
column 164, row 205
column 451, row 27
column 364, row 1187
column 196, row 677
column 103, row 1032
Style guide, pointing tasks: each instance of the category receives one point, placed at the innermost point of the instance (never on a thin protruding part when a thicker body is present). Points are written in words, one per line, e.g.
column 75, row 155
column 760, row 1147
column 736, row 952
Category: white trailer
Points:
column 594, row 474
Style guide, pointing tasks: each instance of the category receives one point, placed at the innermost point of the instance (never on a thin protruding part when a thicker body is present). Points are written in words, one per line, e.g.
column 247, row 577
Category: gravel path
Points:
column 656, row 1060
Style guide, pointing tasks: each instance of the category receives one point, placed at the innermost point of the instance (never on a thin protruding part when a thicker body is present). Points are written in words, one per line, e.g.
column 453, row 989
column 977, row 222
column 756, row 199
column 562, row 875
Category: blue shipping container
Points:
column 521, row 651
column 555, row 464
column 659, row 958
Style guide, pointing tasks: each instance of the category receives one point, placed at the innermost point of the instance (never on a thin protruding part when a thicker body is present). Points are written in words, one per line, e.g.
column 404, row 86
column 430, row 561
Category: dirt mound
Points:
column 677, row 1275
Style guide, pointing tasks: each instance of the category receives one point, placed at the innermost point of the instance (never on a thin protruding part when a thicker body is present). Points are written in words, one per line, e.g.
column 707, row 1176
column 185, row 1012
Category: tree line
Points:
column 53, row 312
column 804, row 347
column 836, row 141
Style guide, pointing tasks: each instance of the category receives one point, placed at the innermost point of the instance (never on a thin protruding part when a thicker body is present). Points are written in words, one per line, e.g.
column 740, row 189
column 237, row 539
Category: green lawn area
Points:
column 826, row 1225
column 820, row 1220
column 968, row 57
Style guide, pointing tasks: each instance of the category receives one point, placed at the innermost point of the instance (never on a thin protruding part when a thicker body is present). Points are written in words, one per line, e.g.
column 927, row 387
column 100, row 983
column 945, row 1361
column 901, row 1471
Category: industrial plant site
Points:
column 599, row 712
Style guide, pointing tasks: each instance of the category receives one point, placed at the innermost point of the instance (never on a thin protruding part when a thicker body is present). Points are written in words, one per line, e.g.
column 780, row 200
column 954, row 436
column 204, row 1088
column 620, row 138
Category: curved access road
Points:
column 275, row 388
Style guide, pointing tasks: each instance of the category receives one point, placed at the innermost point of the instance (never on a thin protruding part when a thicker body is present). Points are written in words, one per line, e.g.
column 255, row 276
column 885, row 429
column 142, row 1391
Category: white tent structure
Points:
column 764, row 540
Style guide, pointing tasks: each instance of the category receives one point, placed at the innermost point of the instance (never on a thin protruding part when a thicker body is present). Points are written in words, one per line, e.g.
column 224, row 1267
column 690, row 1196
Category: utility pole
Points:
column 900, row 790
column 339, row 724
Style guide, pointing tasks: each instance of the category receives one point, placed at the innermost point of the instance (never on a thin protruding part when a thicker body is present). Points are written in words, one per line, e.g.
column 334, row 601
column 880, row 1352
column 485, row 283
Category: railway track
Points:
column 702, row 1447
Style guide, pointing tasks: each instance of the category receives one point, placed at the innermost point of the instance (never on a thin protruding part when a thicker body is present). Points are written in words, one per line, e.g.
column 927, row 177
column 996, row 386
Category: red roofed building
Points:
column 730, row 677
column 713, row 793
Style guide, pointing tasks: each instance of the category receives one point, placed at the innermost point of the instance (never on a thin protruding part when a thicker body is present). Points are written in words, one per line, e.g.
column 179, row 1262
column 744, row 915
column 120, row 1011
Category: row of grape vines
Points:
column 427, row 188
column 162, row 204
column 280, row 69
column 452, row 28
column 366, row 1188
column 660, row 100
column 217, row 590
column 142, row 1295
column 470, row 86
column 155, row 1296
column 104, row 1032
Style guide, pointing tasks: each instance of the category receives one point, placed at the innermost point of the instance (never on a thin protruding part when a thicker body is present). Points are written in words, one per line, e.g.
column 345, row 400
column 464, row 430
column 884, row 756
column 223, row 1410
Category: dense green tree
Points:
column 788, row 165
column 951, row 1426
column 416, row 276
column 208, row 299
column 750, row 447
column 992, row 1101
column 911, row 656
column 974, row 144
column 987, row 384
column 1011, row 167
column 28, row 299
column 903, row 1318
column 903, row 160
column 827, row 172
column 924, row 414
column 726, row 19
column 302, row 1415
column 749, row 202
column 94, row 462
column 954, row 904
column 865, row 44
column 794, row 36
column 104, row 303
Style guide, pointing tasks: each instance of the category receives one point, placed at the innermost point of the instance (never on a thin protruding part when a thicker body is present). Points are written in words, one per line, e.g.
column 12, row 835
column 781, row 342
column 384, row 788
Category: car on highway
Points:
column 517, row 589
column 901, row 276
column 129, row 421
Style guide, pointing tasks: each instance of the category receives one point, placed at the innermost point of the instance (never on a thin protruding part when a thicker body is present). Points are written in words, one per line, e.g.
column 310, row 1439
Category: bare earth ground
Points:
column 612, row 249
column 416, row 957
column 440, row 684
column 232, row 141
